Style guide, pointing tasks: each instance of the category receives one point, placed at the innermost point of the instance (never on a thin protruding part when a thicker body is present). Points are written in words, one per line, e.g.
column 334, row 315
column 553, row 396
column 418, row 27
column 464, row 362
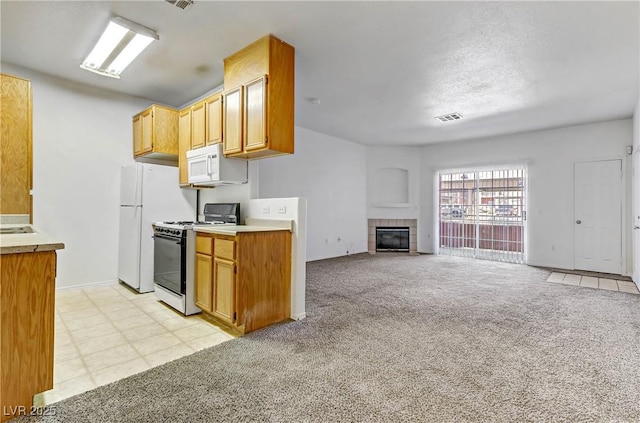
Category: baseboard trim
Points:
column 86, row 285
column 299, row 316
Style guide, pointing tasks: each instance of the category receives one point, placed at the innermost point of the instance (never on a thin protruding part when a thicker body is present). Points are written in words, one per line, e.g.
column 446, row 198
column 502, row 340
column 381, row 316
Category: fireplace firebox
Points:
column 392, row 239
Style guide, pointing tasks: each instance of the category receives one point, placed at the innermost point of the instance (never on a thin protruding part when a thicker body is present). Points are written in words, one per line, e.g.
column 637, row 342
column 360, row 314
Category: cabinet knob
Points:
column 578, row 221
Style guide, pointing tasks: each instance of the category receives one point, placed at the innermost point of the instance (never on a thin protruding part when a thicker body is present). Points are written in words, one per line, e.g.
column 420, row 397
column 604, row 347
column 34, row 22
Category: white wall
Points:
column 81, row 138
column 636, row 194
column 232, row 193
column 269, row 212
column 407, row 158
column 330, row 173
column 550, row 156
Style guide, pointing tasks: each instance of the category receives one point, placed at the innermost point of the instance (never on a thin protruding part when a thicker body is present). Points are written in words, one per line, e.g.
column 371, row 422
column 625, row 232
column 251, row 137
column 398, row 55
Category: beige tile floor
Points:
column 108, row 332
column 593, row 282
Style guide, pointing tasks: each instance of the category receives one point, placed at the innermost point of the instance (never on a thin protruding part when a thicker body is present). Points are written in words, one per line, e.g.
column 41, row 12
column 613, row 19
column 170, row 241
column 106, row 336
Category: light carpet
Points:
column 397, row 338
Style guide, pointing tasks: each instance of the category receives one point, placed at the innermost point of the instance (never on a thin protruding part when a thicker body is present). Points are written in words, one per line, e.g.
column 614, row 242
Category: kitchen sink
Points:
column 16, row 230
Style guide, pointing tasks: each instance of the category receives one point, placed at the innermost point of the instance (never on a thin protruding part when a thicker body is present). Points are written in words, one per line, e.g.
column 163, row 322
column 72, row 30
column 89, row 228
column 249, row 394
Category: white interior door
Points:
column 598, row 216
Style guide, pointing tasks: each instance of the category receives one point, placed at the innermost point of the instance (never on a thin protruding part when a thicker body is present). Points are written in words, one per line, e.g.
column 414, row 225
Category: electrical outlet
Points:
column 282, row 210
column 265, row 210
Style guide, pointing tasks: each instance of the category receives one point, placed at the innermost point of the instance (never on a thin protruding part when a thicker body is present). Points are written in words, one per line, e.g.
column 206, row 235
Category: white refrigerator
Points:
column 149, row 193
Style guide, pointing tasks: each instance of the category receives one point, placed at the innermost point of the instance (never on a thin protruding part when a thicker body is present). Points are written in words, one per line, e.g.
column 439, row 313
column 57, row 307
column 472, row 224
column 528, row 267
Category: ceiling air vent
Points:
column 182, row 4
column 449, row 117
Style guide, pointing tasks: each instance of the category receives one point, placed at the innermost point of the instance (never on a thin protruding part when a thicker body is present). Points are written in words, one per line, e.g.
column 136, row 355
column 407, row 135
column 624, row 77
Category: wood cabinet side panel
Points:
column 184, row 144
column 264, row 278
column 281, row 97
column 27, row 302
column 15, row 148
column 165, row 130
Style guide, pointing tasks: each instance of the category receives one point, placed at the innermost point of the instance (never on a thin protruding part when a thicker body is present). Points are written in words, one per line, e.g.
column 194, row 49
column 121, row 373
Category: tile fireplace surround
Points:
column 412, row 224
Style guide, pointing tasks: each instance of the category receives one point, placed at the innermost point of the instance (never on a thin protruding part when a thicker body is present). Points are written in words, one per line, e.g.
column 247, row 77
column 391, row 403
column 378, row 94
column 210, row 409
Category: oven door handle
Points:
column 169, row 238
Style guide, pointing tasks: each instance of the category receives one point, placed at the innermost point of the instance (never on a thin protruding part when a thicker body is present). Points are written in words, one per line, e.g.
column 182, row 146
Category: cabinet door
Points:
column 213, row 107
column 137, row 136
column 147, row 131
column 224, row 289
column 203, row 292
column 198, row 125
column 184, row 144
column 255, row 114
column 232, row 117
column 15, row 146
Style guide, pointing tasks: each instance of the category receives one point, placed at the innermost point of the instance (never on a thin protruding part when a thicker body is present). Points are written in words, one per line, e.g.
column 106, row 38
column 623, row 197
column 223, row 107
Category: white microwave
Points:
column 208, row 166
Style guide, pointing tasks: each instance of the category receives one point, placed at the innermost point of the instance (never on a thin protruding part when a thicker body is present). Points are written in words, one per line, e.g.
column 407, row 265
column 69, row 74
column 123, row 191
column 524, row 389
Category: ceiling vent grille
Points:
column 450, row 117
column 182, row 4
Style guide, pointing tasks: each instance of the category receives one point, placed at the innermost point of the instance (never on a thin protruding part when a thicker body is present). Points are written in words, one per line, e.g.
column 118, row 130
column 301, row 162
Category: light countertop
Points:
column 27, row 242
column 236, row 229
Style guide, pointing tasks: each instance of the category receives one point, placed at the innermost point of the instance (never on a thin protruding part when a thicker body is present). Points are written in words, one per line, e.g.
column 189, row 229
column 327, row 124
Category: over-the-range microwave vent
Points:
column 182, row 4
column 450, row 117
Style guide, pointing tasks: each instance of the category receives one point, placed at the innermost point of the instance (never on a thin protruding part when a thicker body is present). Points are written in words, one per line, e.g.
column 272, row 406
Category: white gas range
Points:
column 174, row 255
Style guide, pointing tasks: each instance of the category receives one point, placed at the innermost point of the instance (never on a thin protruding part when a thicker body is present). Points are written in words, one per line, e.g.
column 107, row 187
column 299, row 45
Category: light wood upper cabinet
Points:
column 255, row 114
column 146, row 119
column 184, row 143
column 137, row 135
column 198, row 123
column 263, row 72
column 213, row 106
column 16, row 175
column 158, row 133
column 233, row 121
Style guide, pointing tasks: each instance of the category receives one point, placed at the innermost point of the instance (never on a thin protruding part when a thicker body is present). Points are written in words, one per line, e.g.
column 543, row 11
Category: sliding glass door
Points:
column 482, row 214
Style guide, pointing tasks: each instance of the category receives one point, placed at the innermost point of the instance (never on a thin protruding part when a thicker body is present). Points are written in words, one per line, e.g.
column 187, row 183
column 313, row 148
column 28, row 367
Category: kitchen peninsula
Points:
column 27, row 316
column 243, row 274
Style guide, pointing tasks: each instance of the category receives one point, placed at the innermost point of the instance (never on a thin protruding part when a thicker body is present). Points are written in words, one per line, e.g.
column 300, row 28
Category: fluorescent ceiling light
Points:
column 119, row 44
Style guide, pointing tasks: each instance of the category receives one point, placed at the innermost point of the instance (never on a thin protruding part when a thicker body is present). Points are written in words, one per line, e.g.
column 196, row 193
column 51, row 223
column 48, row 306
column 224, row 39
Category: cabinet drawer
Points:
column 203, row 245
column 224, row 249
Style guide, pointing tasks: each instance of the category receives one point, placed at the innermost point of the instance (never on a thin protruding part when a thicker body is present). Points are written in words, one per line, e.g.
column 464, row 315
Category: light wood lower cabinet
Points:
column 204, row 290
column 27, row 302
column 224, row 290
column 244, row 281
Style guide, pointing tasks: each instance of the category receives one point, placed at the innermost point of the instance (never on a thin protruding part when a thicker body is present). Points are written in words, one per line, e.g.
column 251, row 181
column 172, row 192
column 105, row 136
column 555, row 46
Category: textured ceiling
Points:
column 381, row 70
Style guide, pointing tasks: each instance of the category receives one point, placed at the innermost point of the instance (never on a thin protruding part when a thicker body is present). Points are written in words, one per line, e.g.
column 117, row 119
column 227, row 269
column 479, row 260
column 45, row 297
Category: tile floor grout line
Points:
column 144, row 307
column 561, row 277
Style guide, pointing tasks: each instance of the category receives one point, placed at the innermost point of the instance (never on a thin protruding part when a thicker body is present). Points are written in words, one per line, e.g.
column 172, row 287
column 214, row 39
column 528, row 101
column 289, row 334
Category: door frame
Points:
column 625, row 195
